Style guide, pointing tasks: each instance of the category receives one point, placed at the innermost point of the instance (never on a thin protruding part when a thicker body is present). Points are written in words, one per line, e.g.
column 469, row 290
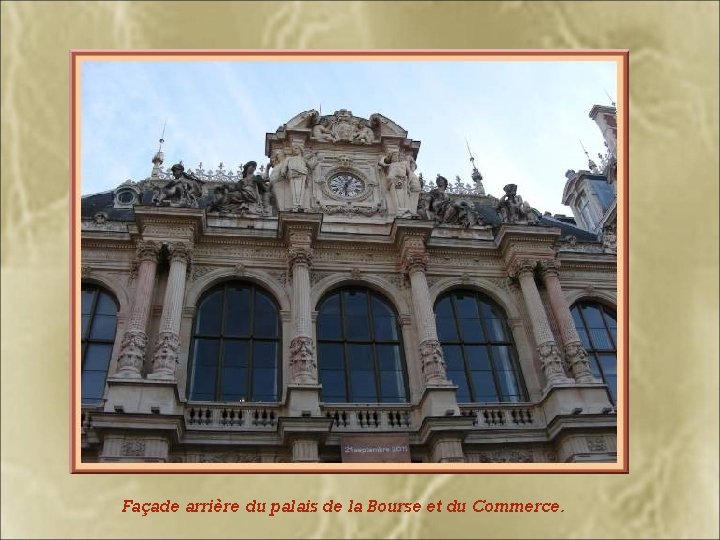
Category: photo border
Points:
column 620, row 56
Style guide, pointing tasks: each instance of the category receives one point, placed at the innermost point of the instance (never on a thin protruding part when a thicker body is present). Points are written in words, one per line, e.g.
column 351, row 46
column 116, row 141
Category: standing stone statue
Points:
column 510, row 206
column 183, row 189
column 295, row 169
column 402, row 181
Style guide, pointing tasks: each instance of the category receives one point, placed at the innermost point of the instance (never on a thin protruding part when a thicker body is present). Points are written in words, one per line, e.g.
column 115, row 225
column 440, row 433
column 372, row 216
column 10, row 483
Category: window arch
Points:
column 98, row 325
column 478, row 348
column 597, row 326
column 235, row 351
column 360, row 349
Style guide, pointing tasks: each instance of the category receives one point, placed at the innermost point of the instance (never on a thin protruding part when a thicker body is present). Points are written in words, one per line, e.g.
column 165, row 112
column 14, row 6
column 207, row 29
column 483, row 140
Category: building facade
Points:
column 332, row 305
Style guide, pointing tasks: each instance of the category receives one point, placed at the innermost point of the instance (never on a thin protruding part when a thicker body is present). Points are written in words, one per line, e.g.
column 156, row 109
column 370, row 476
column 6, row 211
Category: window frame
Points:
column 593, row 352
column 221, row 339
column 488, row 344
column 85, row 336
column 372, row 341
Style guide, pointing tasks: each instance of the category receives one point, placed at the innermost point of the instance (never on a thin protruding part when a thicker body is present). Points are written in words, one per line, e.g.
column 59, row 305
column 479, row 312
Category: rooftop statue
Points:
column 249, row 195
column 437, row 205
column 183, row 189
column 512, row 209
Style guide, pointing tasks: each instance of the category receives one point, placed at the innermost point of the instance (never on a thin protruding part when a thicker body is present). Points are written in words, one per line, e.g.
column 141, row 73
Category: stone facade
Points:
column 338, row 204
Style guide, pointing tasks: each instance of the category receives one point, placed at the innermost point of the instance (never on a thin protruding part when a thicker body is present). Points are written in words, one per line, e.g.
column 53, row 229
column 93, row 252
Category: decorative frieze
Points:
column 132, row 448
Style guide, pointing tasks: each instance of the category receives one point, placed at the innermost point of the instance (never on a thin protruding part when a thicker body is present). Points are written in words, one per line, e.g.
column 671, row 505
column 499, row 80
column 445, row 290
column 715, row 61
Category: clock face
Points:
column 346, row 185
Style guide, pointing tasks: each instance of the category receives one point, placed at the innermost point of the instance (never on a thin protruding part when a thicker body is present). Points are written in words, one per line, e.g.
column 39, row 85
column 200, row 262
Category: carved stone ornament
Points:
column 180, row 250
column 549, row 267
column 148, row 250
column 132, row 448
column 576, row 358
column 415, row 261
column 85, row 272
column 551, row 362
column 239, row 269
column 433, row 364
column 132, row 353
column 402, row 182
column 499, row 456
column 166, row 355
column 299, row 255
column 523, row 266
column 596, row 444
column 302, row 360
column 609, row 238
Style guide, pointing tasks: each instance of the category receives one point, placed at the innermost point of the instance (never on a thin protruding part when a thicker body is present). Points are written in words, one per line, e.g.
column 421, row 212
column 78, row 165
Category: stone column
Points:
column 168, row 342
column 548, row 352
column 431, row 356
column 303, row 365
column 134, row 342
column 575, row 353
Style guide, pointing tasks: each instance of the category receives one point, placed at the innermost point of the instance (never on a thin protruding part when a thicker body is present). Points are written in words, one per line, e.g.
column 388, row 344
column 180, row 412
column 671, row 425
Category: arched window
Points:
column 478, row 348
column 99, row 322
column 235, row 351
column 597, row 327
column 360, row 350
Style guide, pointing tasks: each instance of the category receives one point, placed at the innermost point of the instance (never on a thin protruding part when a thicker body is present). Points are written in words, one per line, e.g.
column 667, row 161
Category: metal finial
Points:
column 591, row 163
column 611, row 99
column 476, row 176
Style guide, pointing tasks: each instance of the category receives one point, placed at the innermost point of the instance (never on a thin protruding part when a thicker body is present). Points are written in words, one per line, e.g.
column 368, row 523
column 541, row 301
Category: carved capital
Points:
column 299, row 255
column 549, row 267
column 148, row 250
column 522, row 267
column 302, row 360
column 433, row 363
column 132, row 354
column 576, row 358
column 166, row 356
column 414, row 260
column 180, row 251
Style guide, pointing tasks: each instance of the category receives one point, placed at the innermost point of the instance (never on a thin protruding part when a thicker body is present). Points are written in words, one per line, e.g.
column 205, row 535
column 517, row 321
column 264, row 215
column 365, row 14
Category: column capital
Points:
column 299, row 255
column 414, row 260
column 521, row 267
column 549, row 267
column 181, row 251
column 148, row 250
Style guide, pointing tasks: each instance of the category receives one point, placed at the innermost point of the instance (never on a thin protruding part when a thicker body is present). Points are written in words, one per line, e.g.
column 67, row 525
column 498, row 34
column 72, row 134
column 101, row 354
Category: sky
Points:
column 522, row 120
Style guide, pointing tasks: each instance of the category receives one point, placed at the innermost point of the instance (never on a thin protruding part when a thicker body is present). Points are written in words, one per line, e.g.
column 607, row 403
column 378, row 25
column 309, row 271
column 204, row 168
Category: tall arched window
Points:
column 235, row 352
column 360, row 350
column 478, row 348
column 597, row 327
column 99, row 321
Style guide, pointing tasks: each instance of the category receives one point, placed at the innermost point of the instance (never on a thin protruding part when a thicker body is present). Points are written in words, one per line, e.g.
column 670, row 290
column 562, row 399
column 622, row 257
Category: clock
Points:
column 346, row 185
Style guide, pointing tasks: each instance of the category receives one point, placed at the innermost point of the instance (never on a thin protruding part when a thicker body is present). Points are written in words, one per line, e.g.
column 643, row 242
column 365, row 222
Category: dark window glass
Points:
column 360, row 353
column 236, row 346
column 478, row 348
column 596, row 324
column 98, row 325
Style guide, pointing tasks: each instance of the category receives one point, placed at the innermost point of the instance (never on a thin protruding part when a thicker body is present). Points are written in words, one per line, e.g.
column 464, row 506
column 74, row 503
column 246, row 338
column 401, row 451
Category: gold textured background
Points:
column 672, row 489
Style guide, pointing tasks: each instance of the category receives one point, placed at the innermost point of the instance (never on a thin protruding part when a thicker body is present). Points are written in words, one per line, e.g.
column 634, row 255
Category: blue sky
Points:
column 523, row 120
